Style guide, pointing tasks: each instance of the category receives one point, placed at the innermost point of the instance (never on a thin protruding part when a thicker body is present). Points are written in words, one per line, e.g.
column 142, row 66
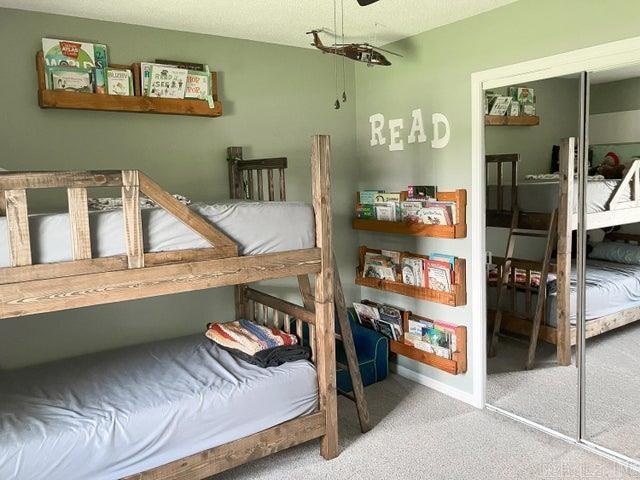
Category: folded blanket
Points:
column 273, row 357
column 248, row 337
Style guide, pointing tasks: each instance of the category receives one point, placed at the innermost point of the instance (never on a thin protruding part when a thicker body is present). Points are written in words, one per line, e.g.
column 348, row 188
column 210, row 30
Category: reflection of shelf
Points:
column 522, row 120
column 118, row 103
column 454, row 299
column 458, row 362
column 458, row 230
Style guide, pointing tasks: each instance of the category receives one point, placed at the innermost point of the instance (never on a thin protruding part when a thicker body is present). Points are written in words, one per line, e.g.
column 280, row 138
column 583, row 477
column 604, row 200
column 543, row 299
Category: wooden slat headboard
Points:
column 242, row 173
column 499, row 160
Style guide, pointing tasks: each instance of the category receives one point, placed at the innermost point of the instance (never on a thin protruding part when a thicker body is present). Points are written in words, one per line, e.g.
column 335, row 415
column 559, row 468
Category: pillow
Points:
column 107, row 204
column 616, row 252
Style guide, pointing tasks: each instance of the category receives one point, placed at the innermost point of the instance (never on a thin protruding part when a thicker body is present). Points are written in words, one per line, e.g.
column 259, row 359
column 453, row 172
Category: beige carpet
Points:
column 422, row 434
column 548, row 393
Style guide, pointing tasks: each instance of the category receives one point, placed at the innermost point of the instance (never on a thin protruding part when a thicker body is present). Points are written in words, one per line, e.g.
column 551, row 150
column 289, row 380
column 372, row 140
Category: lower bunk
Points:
column 158, row 408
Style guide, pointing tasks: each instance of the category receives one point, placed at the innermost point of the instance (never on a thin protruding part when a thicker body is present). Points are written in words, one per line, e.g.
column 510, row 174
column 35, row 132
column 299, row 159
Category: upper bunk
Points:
column 81, row 258
column 608, row 202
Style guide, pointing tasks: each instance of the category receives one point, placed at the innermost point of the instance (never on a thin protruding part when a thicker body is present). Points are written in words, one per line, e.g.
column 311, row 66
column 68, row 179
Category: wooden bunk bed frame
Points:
column 27, row 289
column 618, row 212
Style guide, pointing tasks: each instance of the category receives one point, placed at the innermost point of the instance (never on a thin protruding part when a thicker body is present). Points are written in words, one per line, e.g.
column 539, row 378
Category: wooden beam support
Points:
column 132, row 218
column 18, row 227
column 52, row 295
column 79, row 220
column 325, row 321
column 27, row 180
column 229, row 455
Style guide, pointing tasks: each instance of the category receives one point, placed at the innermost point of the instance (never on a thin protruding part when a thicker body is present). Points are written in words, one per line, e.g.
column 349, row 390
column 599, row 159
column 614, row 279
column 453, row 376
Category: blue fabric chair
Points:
column 372, row 350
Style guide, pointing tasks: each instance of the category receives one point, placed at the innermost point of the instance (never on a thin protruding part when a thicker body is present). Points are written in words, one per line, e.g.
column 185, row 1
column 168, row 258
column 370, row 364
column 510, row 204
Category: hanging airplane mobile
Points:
column 360, row 52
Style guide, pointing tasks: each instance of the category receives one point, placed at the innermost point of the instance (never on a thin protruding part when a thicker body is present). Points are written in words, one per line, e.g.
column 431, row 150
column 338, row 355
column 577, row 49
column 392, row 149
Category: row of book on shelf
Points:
column 431, row 336
column 436, row 272
column 84, row 67
column 418, row 204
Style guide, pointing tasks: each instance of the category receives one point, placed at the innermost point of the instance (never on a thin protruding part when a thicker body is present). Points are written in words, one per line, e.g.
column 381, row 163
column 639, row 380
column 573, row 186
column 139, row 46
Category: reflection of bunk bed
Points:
column 608, row 203
column 28, row 287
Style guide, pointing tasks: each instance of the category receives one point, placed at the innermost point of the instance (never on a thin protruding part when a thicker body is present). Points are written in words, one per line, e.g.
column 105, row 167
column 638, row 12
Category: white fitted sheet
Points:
column 112, row 414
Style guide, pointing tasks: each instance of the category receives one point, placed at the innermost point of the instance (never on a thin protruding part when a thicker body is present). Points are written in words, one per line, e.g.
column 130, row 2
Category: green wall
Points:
column 275, row 97
column 435, row 75
column 619, row 96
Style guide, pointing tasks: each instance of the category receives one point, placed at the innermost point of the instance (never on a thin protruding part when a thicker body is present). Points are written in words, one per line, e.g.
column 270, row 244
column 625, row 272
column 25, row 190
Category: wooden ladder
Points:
column 346, row 338
column 503, row 281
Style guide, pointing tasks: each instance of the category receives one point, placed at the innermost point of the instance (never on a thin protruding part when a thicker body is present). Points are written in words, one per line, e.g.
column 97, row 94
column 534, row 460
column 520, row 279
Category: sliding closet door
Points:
column 610, row 286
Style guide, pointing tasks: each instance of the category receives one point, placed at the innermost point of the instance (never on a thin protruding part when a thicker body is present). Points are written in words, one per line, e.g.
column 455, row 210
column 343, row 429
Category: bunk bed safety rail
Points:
column 632, row 180
column 500, row 160
column 14, row 187
column 246, row 177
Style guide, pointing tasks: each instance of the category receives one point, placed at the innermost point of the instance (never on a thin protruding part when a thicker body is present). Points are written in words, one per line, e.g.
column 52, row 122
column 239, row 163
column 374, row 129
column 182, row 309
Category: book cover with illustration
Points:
column 167, row 82
column 66, row 53
column 198, row 85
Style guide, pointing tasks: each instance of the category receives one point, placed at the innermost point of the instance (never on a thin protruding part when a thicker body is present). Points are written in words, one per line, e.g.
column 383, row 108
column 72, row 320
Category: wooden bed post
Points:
column 324, row 302
column 565, row 229
column 236, row 189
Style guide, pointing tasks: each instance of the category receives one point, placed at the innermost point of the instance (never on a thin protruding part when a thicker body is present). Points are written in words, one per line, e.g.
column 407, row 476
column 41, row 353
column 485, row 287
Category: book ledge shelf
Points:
column 457, row 297
column 459, row 230
column 521, row 120
column 456, row 365
column 118, row 103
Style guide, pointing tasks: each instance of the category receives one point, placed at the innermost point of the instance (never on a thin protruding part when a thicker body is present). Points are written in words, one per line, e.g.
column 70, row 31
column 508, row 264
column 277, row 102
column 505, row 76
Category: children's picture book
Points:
column 500, row 105
column 387, row 330
column 435, row 214
column 413, row 271
column 368, row 315
column 198, row 85
column 387, row 197
column 369, row 196
column 422, row 192
column 66, row 53
column 410, row 211
column 379, row 266
column 101, row 65
column 393, row 316
column 71, row 79
column 167, row 82
column 365, row 211
column 198, row 67
column 438, row 275
column 119, row 82
column 386, row 212
column 450, row 259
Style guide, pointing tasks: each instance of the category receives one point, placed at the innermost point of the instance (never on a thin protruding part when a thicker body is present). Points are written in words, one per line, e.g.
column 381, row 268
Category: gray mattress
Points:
column 611, row 287
column 542, row 196
column 257, row 227
column 112, row 414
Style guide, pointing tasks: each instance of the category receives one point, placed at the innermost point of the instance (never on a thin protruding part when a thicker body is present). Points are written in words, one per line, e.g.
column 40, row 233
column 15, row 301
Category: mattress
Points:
column 542, row 196
column 610, row 287
column 256, row 227
column 113, row 414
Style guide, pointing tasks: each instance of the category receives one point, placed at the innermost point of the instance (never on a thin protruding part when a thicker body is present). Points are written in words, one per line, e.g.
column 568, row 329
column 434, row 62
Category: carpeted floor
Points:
column 548, row 393
column 422, row 434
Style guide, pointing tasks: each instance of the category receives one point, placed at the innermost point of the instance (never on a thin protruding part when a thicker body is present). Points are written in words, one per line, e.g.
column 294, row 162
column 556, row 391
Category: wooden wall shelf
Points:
column 456, row 298
column 459, row 230
column 456, row 365
column 117, row 103
column 522, row 120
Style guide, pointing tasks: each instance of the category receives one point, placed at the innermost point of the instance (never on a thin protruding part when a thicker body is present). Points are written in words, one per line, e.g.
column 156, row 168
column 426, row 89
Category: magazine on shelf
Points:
column 368, row 315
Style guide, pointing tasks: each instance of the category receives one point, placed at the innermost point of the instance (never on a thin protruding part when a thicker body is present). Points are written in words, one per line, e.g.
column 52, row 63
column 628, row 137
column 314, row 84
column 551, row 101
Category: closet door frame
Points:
column 602, row 57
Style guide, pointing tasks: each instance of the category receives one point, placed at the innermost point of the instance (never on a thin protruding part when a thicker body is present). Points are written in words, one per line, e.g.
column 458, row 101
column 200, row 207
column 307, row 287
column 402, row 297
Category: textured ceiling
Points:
column 273, row 21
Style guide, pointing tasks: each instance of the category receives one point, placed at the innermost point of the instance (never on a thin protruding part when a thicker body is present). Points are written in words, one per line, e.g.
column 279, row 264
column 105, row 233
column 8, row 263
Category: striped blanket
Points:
column 248, row 337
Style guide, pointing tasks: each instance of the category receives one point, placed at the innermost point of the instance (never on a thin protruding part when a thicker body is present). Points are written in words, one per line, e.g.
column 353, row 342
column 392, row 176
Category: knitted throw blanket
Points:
column 248, row 337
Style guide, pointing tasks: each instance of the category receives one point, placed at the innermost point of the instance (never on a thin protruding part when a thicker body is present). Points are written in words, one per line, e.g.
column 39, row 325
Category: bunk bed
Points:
column 608, row 203
column 176, row 409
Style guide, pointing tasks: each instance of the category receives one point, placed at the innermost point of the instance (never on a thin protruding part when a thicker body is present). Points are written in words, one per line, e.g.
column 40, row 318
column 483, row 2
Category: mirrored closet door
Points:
column 610, row 283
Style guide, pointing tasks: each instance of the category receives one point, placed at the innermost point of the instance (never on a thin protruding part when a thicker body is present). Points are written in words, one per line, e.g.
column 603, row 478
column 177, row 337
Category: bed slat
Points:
column 283, row 192
column 260, row 186
column 79, row 220
column 250, row 183
column 132, row 218
column 18, row 227
column 272, row 195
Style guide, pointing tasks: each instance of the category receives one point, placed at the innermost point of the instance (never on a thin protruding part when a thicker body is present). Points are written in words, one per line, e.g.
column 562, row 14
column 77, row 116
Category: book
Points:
column 386, row 197
column 365, row 211
column 101, row 65
column 199, row 67
column 386, row 329
column 422, row 192
column 418, row 327
column 167, row 82
column 413, row 271
column 71, row 79
column 410, row 211
column 379, row 272
column 450, row 259
column 386, row 212
column 393, row 256
column 435, row 214
column 369, row 196
column 438, row 275
column 198, row 85
column 451, row 331
column 368, row 315
column 66, row 53
column 527, row 100
column 393, row 316
column 451, row 208
column 119, row 81
column 500, row 105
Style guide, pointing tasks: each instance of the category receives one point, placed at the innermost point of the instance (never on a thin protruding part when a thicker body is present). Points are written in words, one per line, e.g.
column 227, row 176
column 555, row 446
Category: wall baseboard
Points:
column 434, row 384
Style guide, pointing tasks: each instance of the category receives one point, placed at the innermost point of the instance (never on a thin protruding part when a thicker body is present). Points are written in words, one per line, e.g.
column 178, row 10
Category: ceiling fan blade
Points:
column 364, row 3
